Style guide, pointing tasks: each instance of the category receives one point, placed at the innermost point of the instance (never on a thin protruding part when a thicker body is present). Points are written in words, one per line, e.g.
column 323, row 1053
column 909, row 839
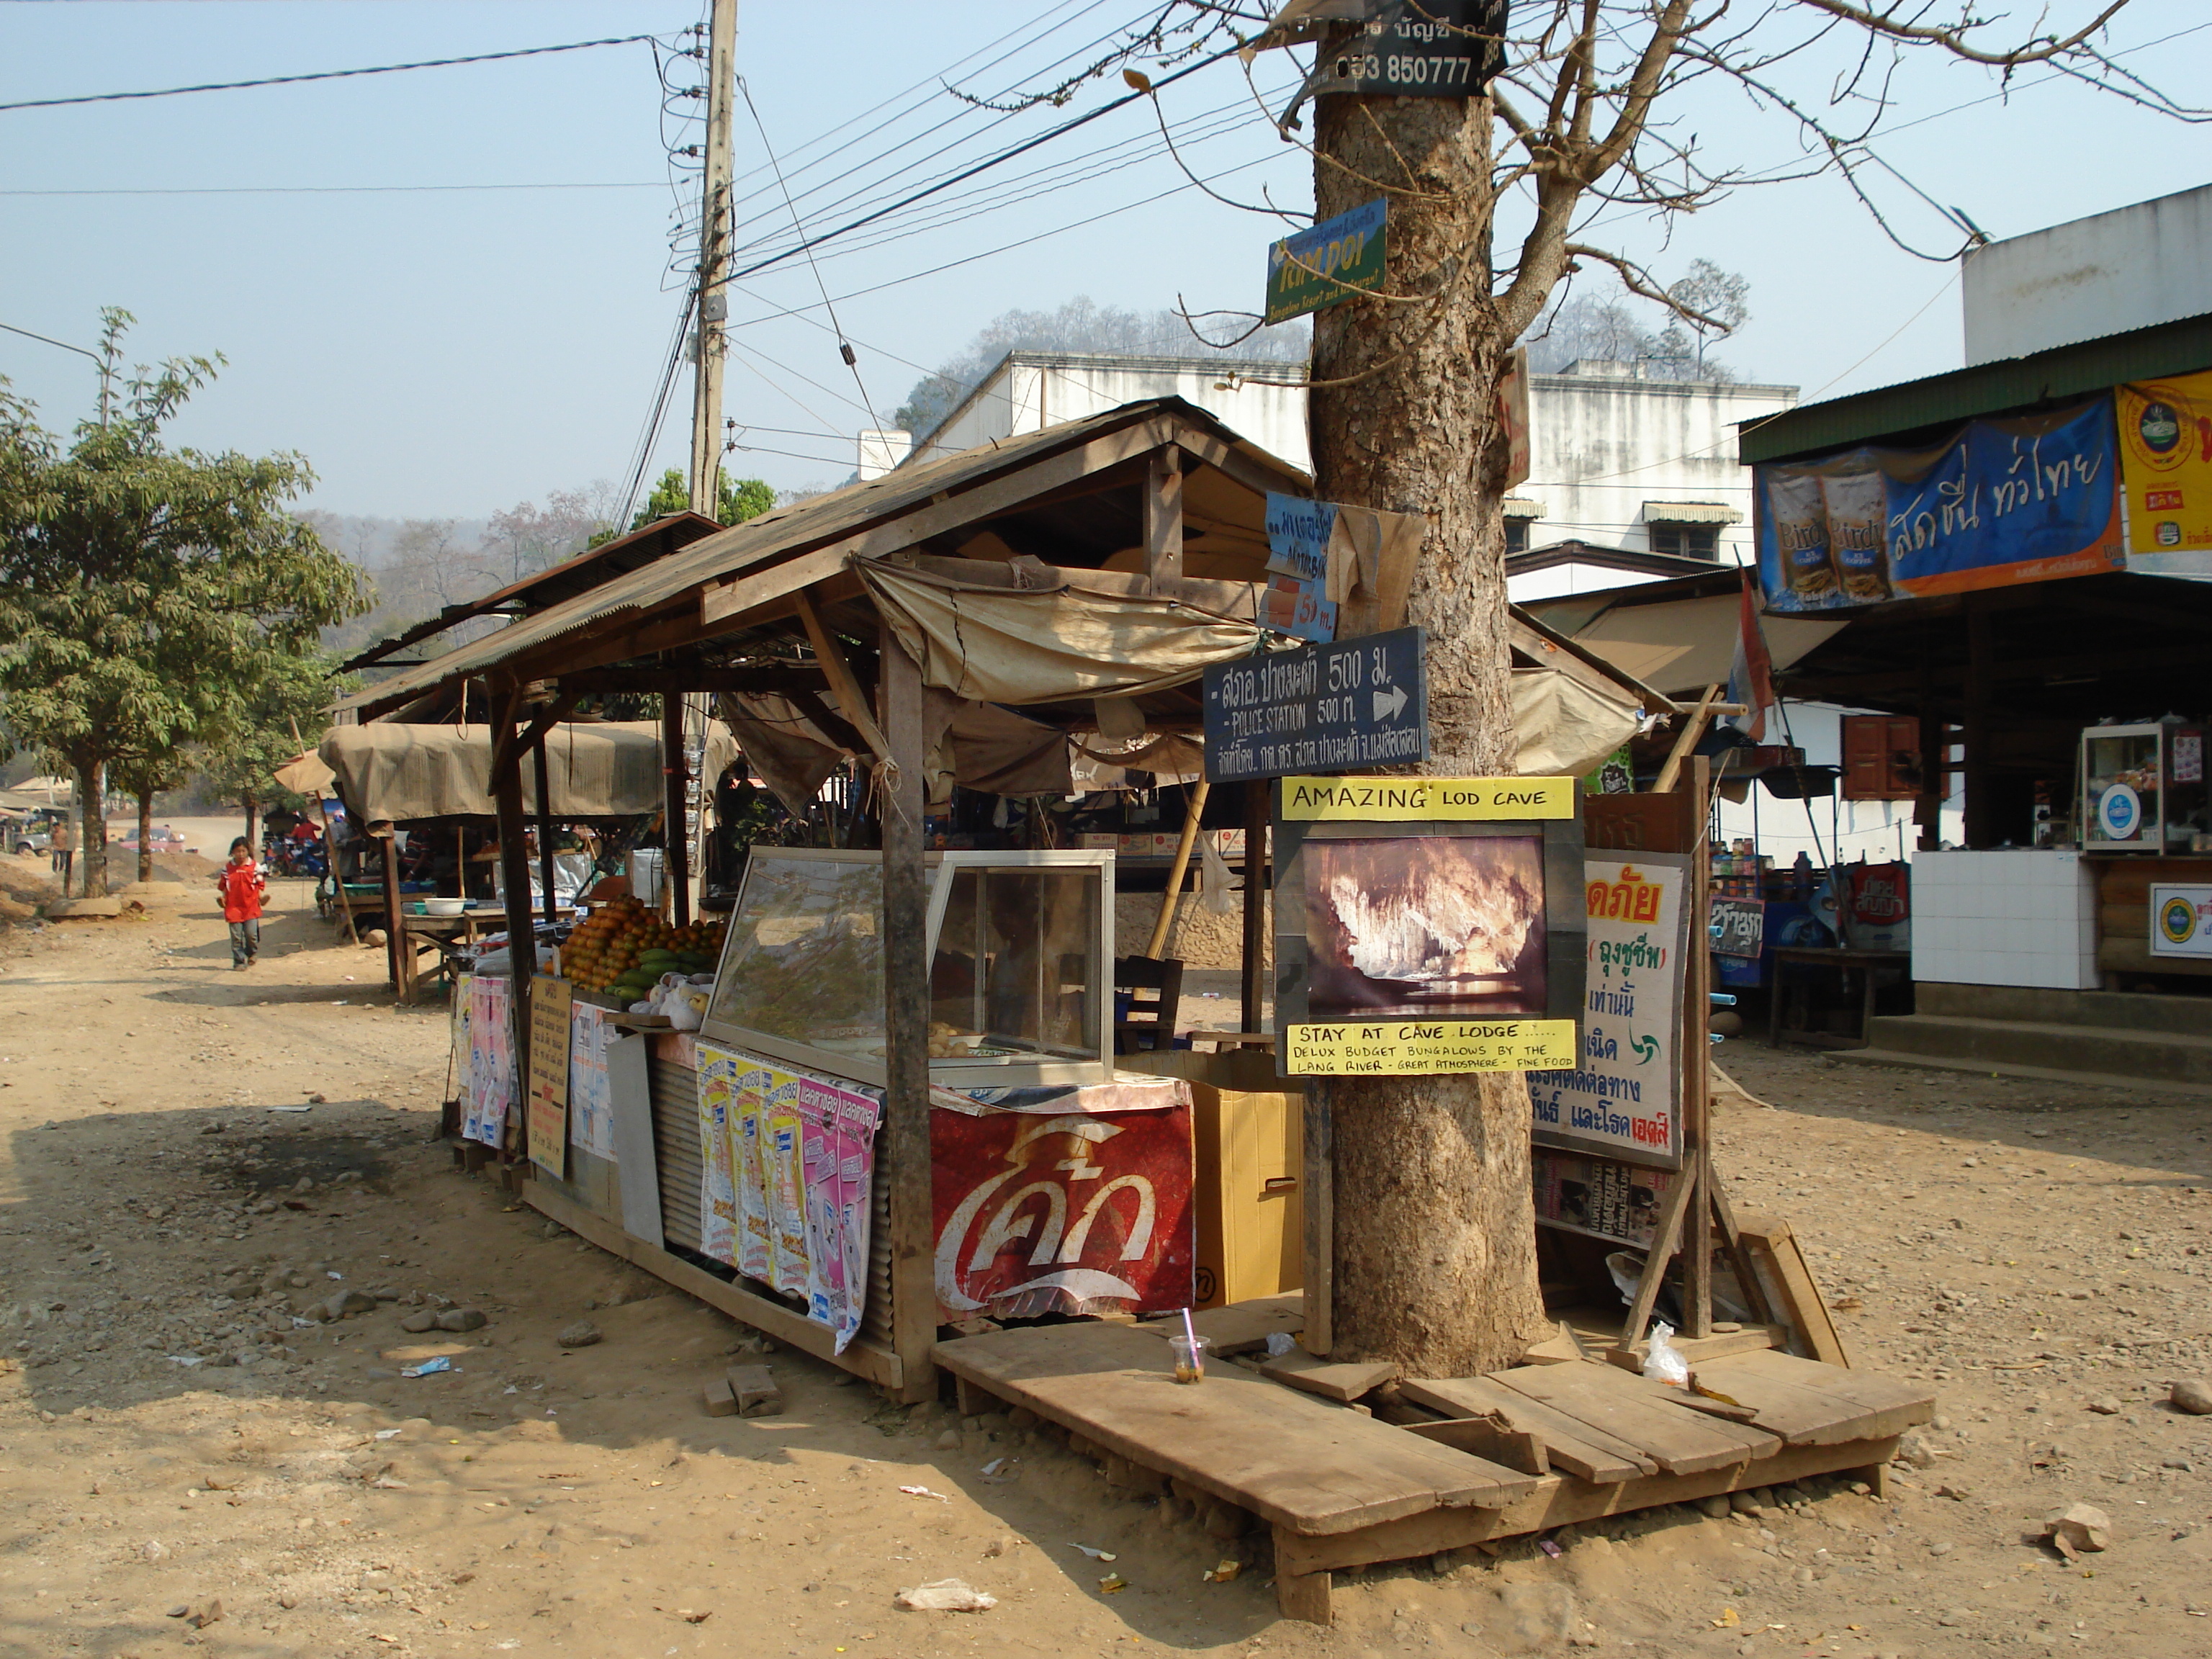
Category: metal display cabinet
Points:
column 2143, row 787
column 1021, row 949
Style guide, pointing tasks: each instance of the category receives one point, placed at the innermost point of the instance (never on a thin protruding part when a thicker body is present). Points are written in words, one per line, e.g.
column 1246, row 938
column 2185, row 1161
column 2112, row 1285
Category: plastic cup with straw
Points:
column 1189, row 1350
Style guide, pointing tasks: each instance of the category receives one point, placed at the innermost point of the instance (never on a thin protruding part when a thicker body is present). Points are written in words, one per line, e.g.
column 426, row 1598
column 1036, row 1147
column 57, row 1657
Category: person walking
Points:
column 62, row 843
column 243, row 889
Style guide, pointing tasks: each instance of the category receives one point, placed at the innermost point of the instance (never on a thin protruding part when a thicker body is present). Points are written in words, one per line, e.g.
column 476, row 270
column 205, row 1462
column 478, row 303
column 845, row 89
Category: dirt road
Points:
column 179, row 1427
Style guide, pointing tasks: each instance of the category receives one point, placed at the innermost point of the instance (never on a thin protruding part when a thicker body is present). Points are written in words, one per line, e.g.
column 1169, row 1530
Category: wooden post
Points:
column 1696, row 1146
column 331, row 860
column 1258, row 801
column 1934, row 760
column 1693, row 727
column 1163, row 522
column 1317, row 1200
column 906, row 1026
column 394, row 916
column 1176, row 870
column 1981, row 830
column 675, row 837
column 544, row 824
column 514, row 875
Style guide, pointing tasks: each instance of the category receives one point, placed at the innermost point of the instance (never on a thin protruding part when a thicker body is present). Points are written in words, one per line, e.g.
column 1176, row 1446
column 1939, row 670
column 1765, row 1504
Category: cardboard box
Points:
column 1248, row 1132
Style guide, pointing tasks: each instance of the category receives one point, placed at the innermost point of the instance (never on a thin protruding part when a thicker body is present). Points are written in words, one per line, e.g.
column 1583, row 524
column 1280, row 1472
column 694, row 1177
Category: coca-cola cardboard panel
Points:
column 1069, row 1212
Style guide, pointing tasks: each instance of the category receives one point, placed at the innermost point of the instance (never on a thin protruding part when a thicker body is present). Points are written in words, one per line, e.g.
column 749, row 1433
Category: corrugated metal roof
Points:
column 2065, row 372
column 798, row 528
column 1689, row 513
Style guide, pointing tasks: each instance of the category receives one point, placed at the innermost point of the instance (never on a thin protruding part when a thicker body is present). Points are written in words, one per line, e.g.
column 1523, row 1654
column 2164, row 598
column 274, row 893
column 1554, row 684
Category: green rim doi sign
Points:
column 1335, row 260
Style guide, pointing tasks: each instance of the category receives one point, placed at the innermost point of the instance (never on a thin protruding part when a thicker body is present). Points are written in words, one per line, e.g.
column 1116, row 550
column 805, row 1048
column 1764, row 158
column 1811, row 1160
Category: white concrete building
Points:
column 1619, row 461
column 2106, row 274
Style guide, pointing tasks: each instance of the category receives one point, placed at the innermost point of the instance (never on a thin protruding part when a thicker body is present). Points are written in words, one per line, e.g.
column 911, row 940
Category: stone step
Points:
column 2135, row 1088
column 2183, row 1016
column 2089, row 1051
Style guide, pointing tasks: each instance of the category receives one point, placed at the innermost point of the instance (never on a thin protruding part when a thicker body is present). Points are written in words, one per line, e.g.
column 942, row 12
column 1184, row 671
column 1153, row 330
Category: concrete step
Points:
column 2183, row 1016
column 2089, row 1051
column 2135, row 1088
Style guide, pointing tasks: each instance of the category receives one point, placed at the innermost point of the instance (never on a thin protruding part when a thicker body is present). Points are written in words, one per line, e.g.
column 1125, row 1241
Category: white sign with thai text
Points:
column 1624, row 1099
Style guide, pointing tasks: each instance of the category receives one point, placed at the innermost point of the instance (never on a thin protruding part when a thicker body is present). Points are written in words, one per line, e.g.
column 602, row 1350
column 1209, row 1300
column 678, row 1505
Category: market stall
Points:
column 431, row 785
column 902, row 1123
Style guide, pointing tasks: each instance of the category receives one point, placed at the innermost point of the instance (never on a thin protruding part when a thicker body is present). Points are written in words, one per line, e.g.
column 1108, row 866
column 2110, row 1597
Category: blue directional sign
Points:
column 1339, row 706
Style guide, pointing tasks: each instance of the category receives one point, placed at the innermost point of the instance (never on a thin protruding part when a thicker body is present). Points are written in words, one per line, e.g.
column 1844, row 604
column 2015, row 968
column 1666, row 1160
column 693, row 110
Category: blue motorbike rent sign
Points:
column 1624, row 1099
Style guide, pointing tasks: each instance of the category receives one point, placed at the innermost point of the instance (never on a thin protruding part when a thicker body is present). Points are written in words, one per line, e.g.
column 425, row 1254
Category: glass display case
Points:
column 1021, row 965
column 2143, row 787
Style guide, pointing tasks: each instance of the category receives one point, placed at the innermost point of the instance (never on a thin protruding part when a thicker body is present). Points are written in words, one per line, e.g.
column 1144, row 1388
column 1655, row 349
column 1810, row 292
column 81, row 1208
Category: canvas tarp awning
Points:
column 1683, row 645
column 1055, row 644
column 308, row 774
column 1566, row 725
column 388, row 771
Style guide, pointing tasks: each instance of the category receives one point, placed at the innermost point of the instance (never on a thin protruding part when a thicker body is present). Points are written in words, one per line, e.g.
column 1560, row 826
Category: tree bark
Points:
column 1434, row 1252
column 92, row 840
column 145, row 834
column 252, row 825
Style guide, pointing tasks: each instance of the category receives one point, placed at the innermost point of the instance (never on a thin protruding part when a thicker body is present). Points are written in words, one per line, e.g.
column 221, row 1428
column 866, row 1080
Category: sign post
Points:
column 546, row 1111
column 1336, row 259
column 1428, row 926
column 1335, row 706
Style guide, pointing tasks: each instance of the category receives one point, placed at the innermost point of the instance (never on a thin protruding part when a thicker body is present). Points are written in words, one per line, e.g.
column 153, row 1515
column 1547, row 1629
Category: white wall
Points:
column 1992, row 918
column 1603, row 440
column 1554, row 581
column 1875, row 831
column 2151, row 263
column 1033, row 391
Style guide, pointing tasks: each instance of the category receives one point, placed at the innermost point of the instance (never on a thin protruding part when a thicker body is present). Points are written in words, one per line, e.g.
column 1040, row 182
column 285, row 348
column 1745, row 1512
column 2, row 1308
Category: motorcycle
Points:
column 283, row 856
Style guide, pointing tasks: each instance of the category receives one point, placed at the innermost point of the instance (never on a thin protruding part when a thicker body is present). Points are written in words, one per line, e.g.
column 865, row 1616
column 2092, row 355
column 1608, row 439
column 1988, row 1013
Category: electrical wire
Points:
column 332, row 190
column 325, row 75
column 984, row 166
column 844, row 346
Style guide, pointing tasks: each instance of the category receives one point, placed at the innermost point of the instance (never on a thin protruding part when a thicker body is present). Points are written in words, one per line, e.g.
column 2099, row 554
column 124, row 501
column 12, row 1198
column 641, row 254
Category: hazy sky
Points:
column 449, row 352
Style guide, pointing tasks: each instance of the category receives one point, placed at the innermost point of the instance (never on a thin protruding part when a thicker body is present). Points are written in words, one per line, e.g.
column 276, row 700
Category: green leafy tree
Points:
column 142, row 777
column 144, row 590
column 283, row 710
column 741, row 499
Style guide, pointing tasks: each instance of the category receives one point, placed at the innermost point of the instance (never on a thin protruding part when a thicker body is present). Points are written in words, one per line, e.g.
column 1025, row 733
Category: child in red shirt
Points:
column 243, row 890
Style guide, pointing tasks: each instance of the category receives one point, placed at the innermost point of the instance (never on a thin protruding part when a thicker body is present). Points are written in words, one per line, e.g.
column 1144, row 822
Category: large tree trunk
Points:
column 252, row 824
column 145, row 834
column 93, row 808
column 1435, row 1247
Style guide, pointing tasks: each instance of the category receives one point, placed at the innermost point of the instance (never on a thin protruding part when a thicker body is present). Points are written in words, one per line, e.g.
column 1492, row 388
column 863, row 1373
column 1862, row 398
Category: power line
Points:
column 983, row 166
column 334, row 190
column 326, row 75
column 844, row 345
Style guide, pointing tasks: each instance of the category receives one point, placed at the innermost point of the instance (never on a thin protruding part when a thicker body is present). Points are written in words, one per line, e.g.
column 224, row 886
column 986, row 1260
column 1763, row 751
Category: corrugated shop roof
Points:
column 2065, row 372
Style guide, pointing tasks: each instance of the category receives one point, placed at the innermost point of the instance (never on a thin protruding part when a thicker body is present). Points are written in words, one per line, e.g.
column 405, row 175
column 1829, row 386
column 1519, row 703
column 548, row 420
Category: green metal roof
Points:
column 2013, row 383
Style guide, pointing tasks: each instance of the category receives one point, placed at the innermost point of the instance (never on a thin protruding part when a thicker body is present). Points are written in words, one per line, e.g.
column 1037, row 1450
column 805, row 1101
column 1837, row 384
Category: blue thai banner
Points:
column 2003, row 502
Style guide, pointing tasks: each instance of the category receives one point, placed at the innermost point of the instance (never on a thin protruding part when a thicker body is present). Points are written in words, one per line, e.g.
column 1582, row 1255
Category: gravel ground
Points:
column 180, row 1425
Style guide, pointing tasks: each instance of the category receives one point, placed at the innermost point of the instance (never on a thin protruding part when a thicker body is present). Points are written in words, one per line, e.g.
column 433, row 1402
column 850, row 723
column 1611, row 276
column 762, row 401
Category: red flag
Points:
column 1751, row 678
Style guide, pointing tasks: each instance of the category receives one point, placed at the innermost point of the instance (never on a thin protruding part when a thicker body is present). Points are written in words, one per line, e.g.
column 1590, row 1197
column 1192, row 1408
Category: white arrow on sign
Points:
column 1388, row 703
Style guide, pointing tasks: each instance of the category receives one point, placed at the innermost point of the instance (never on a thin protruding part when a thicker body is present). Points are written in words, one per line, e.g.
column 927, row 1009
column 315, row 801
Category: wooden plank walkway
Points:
column 1342, row 1489
column 1290, row 1459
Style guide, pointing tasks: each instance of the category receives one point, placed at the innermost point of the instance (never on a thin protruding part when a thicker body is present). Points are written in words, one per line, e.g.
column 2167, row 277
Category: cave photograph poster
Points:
column 1427, row 925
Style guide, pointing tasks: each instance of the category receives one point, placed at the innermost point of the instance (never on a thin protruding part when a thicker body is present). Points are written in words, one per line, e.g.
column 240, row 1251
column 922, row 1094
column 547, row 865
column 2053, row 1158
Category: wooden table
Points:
column 443, row 933
column 1867, row 965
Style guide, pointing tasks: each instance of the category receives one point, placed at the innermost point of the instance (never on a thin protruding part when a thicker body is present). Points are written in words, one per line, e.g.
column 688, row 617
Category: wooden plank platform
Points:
column 1589, row 1453
column 1679, row 1440
column 1340, row 1489
column 1298, row 1463
column 1242, row 1327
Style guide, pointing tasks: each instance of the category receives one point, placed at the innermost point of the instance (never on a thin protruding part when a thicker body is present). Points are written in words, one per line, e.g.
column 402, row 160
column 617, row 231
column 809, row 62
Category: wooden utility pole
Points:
column 712, row 304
